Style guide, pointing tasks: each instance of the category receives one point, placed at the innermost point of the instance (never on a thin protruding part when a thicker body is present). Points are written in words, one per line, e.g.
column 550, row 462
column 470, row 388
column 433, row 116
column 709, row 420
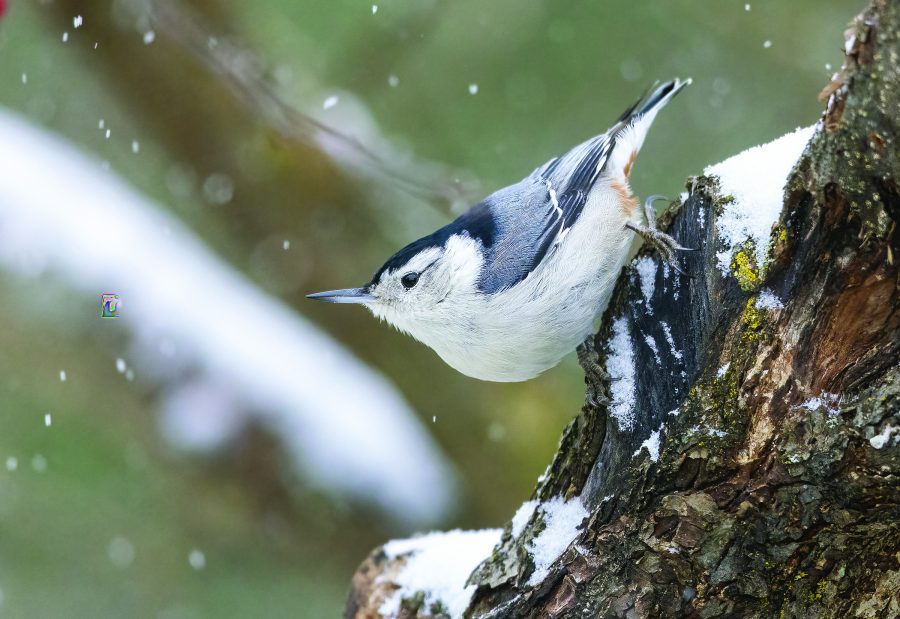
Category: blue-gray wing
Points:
column 534, row 215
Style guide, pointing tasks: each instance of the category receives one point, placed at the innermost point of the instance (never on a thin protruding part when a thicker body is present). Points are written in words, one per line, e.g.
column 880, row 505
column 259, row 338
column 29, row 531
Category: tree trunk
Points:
column 774, row 491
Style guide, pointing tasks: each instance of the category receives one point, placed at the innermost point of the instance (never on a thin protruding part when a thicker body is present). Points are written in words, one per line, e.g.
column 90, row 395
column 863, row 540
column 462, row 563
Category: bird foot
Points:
column 664, row 244
column 594, row 372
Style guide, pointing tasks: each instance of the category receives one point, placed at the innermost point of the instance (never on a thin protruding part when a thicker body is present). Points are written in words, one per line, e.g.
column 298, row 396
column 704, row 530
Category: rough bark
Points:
column 764, row 501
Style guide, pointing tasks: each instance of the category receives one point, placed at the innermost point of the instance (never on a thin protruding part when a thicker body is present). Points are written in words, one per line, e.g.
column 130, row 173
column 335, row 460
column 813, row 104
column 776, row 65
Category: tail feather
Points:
column 610, row 153
column 659, row 97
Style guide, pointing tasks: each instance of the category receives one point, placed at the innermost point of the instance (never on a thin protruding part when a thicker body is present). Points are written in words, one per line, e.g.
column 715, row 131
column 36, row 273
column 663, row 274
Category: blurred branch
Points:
column 231, row 353
column 243, row 72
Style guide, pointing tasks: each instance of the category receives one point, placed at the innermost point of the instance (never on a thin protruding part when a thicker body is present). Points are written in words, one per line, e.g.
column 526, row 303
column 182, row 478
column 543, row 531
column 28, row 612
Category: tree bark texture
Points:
column 773, row 494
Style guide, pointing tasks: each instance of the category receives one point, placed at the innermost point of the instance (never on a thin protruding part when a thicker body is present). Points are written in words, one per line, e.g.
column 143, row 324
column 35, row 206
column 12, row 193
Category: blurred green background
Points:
column 99, row 517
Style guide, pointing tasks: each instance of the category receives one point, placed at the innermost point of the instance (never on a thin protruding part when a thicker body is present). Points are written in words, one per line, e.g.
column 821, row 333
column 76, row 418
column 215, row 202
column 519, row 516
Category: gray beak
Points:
column 347, row 295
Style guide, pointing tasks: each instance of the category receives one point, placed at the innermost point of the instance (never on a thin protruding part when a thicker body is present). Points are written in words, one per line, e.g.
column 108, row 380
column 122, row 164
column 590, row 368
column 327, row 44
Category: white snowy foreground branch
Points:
column 432, row 565
column 438, row 565
column 346, row 428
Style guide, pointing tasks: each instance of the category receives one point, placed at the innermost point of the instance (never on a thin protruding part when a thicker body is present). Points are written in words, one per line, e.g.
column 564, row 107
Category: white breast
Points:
column 516, row 334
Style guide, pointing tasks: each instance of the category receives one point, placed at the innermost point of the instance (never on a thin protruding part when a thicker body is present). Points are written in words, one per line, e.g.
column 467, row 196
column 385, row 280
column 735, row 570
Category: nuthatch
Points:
column 516, row 283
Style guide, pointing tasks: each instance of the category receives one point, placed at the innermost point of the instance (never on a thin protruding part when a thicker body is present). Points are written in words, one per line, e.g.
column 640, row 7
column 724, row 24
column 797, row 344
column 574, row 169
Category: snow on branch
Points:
column 438, row 565
column 347, row 429
column 755, row 180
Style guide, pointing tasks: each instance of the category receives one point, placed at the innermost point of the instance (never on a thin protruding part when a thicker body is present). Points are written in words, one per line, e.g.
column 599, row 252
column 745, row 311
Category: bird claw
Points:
column 587, row 357
column 664, row 244
column 649, row 211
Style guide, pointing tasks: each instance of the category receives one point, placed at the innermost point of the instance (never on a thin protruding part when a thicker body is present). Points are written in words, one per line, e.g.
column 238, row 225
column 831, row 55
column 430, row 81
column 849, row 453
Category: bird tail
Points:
column 652, row 101
column 635, row 122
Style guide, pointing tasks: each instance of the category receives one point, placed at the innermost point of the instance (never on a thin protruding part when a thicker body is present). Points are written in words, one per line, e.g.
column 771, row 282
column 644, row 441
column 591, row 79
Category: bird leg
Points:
column 662, row 242
column 594, row 372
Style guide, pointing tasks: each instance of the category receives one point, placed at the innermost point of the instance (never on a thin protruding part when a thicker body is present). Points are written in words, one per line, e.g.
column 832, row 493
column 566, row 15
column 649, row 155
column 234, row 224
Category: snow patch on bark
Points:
column 880, row 440
column 651, row 445
column 828, row 401
column 561, row 521
column 667, row 332
column 523, row 515
column 438, row 565
column 620, row 366
column 755, row 179
column 767, row 300
column 651, row 344
column 646, row 269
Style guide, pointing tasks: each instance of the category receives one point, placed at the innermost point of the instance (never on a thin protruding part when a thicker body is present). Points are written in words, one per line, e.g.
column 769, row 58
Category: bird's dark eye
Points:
column 409, row 280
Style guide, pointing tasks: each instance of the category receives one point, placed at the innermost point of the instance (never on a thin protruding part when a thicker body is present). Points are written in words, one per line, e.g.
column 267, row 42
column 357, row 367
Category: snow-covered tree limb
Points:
column 737, row 451
column 229, row 355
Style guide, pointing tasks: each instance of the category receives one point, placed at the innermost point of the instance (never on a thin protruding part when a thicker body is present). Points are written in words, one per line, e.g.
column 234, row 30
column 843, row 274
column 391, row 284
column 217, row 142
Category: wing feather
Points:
column 533, row 216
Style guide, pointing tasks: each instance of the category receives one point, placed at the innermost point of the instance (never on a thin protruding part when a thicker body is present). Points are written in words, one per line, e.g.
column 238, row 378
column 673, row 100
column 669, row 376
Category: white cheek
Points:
column 463, row 259
column 421, row 311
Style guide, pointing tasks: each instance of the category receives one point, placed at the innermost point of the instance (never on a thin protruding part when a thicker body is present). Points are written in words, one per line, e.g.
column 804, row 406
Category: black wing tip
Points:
column 673, row 87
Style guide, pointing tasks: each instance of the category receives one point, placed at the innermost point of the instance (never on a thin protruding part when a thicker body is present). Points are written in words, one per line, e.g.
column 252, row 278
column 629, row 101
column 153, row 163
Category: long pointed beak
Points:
column 346, row 295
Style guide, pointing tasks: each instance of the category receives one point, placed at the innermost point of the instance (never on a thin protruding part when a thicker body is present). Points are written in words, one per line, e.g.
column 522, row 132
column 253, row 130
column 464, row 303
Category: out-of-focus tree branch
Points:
column 243, row 72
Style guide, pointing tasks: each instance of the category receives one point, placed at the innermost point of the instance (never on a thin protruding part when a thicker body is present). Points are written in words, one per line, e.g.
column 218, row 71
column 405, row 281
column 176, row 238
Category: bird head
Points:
column 422, row 283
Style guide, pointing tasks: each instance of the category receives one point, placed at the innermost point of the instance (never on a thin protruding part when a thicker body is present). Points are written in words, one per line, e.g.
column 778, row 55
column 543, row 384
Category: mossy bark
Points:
column 775, row 492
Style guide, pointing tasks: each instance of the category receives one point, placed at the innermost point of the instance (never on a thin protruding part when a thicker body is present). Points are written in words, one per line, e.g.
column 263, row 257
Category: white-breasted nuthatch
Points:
column 517, row 282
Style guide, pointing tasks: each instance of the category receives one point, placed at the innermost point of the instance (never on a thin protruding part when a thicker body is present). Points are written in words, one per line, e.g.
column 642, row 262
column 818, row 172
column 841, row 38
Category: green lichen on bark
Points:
column 744, row 267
